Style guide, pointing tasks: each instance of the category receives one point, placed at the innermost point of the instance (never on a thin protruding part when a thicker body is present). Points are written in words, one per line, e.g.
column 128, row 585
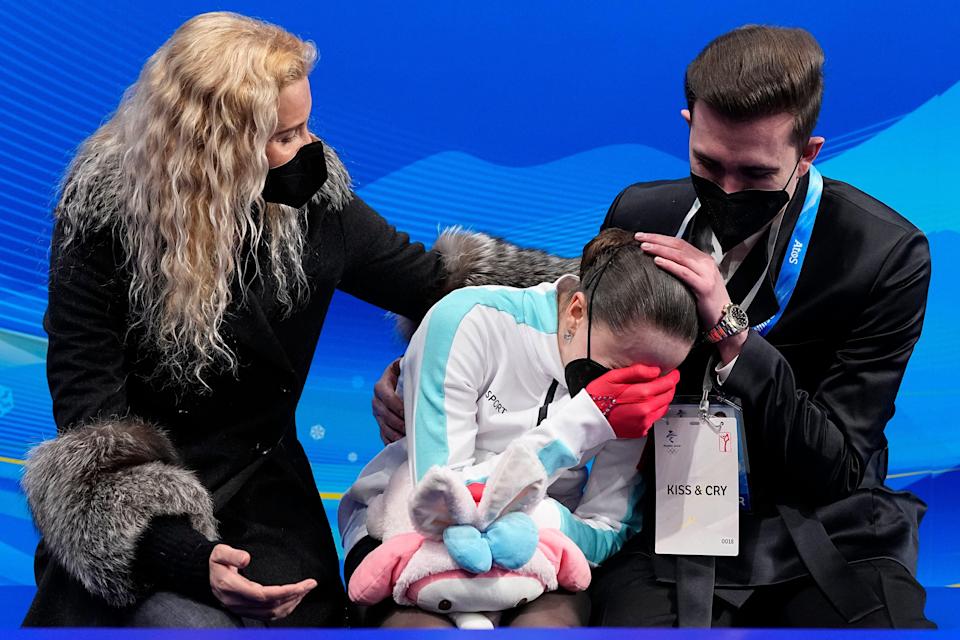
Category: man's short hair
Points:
column 756, row 71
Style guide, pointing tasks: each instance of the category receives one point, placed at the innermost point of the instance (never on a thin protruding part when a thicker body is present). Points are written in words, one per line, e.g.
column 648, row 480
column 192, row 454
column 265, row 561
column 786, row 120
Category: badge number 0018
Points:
column 697, row 482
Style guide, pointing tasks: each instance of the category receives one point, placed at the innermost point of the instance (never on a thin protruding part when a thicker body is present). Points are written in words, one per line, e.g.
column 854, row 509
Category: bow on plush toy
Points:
column 470, row 552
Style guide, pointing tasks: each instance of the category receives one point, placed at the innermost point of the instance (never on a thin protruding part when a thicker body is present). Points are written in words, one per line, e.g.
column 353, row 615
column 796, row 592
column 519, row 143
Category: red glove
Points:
column 633, row 398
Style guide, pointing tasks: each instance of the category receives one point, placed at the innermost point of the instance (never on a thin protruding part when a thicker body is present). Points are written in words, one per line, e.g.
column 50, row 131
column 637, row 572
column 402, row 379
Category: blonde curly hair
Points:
column 179, row 170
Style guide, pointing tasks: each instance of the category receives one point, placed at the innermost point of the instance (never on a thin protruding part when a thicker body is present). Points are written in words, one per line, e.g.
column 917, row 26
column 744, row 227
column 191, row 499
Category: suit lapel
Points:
column 789, row 223
column 745, row 278
column 765, row 304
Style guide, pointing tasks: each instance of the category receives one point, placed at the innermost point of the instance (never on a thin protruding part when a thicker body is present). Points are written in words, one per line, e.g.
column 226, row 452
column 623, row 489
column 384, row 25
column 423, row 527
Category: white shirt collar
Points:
column 728, row 262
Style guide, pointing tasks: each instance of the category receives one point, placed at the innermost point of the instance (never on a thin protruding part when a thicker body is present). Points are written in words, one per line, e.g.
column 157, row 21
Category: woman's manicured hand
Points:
column 247, row 598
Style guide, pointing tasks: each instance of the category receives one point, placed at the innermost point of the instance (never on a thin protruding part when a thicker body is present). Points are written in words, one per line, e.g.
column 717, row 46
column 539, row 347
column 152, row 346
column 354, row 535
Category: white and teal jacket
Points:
column 474, row 378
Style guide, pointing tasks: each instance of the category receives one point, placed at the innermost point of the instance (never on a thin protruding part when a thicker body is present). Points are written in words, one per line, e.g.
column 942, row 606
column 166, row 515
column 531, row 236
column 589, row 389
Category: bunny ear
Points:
column 441, row 500
column 518, row 483
column 573, row 570
column 375, row 576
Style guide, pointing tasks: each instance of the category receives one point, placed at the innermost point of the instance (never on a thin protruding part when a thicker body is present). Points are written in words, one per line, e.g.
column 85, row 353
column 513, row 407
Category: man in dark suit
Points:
column 834, row 286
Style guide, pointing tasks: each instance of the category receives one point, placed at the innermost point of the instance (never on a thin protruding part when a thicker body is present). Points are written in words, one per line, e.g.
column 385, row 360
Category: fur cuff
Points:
column 474, row 259
column 93, row 491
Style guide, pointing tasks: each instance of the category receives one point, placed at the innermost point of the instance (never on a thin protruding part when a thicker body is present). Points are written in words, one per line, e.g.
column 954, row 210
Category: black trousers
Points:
column 625, row 593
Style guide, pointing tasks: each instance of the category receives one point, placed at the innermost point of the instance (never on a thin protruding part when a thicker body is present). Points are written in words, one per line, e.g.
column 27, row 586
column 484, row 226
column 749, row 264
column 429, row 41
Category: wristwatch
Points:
column 733, row 320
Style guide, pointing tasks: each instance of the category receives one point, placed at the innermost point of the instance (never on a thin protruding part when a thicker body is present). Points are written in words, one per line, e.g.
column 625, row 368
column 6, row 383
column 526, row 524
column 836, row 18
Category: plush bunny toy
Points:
column 470, row 552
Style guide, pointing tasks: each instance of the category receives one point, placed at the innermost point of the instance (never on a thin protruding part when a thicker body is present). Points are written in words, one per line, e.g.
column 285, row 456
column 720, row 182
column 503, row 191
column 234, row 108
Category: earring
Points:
column 567, row 336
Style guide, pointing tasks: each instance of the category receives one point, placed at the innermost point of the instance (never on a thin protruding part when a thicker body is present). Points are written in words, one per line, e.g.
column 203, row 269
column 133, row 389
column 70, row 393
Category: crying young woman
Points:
column 573, row 373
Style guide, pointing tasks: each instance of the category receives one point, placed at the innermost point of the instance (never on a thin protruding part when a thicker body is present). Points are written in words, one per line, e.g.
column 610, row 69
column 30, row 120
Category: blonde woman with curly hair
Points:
column 198, row 239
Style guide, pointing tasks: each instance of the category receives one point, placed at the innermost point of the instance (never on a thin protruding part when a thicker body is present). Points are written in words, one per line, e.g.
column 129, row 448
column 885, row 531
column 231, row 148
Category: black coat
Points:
column 819, row 389
column 95, row 369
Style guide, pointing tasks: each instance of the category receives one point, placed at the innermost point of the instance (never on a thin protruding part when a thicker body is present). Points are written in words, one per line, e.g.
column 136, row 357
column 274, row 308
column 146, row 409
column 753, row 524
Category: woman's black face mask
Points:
column 582, row 371
column 296, row 181
column 734, row 217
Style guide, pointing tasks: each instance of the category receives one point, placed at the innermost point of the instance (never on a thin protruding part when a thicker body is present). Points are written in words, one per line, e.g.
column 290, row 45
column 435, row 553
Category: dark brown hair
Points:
column 757, row 71
column 632, row 289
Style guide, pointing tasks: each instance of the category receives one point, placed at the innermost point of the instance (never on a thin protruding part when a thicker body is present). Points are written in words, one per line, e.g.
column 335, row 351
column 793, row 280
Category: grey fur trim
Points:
column 335, row 192
column 403, row 326
column 93, row 491
column 92, row 204
column 473, row 259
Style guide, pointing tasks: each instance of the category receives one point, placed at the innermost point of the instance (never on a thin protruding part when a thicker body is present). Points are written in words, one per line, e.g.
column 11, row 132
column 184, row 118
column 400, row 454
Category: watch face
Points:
column 738, row 317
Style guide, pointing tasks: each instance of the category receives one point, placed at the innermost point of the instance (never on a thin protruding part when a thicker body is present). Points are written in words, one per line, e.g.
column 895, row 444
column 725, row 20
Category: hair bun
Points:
column 603, row 244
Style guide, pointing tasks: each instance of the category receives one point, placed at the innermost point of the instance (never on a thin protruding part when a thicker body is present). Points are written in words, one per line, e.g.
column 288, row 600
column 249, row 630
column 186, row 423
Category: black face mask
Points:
column 734, row 217
column 296, row 181
column 582, row 371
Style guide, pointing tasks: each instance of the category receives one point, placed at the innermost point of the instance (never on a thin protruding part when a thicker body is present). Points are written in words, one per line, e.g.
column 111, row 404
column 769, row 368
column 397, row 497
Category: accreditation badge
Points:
column 698, row 477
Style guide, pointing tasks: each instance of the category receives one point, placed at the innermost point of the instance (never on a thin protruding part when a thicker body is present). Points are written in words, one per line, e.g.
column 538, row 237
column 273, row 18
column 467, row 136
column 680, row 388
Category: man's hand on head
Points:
column 698, row 271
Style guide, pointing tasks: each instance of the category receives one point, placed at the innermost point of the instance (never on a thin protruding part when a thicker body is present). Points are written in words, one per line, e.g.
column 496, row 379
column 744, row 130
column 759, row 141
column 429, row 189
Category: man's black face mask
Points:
column 296, row 181
column 734, row 217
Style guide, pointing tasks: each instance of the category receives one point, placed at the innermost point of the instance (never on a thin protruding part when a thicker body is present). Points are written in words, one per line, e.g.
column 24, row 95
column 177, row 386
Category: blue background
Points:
column 520, row 118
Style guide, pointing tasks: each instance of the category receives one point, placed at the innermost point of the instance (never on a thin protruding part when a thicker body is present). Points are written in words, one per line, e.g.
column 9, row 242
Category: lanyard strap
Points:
column 797, row 249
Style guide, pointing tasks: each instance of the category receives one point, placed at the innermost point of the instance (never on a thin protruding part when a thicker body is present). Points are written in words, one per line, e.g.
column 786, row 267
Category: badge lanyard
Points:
column 743, row 461
column 796, row 249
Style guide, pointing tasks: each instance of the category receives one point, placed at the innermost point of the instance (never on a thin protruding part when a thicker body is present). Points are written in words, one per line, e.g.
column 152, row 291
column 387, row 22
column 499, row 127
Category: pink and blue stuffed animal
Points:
column 467, row 551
